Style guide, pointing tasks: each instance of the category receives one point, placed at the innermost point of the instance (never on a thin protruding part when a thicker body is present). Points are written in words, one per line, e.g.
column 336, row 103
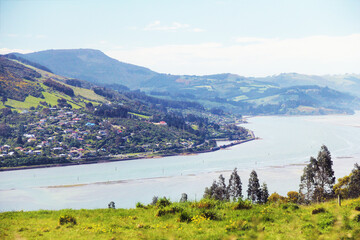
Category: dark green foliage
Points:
column 241, row 204
column 5, row 130
column 318, row 178
column 357, row 218
column 254, row 191
column 67, row 219
column 209, row 214
column 290, row 206
column 59, row 87
column 140, row 205
column 185, row 217
column 354, row 185
column 318, row 210
column 111, row 205
column 357, row 208
column 234, row 189
column 264, row 193
column 163, row 202
column 168, row 210
column 106, row 110
column 218, row 190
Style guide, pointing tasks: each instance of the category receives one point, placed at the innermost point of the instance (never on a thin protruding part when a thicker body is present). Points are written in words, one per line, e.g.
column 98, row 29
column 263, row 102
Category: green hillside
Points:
column 206, row 219
column 288, row 93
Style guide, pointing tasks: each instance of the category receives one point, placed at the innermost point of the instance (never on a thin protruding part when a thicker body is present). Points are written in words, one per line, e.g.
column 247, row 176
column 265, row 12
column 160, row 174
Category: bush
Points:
column 318, row 210
column 241, row 204
column 326, row 221
column 168, row 210
column 185, row 217
column 140, row 205
column 239, row 225
column 67, row 219
column 204, row 203
column 275, row 197
column 357, row 208
column 209, row 214
column 357, row 218
column 290, row 206
column 163, row 202
column 154, row 200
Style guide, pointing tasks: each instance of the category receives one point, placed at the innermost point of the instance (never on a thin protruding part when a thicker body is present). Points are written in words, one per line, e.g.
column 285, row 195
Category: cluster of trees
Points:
column 59, row 87
column 106, row 110
column 233, row 191
column 318, row 178
column 349, row 186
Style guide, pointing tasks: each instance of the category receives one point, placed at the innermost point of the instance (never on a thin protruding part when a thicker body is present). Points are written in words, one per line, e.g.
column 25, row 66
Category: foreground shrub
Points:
column 357, row 218
column 140, row 205
column 185, row 217
column 209, row 214
column 290, row 206
column 205, row 203
column 357, row 208
column 163, row 202
column 326, row 221
column 238, row 225
column 241, row 204
column 318, row 210
column 168, row 210
column 67, row 219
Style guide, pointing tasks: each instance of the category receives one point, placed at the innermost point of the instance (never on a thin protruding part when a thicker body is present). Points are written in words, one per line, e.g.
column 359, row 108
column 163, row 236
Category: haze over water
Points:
column 286, row 144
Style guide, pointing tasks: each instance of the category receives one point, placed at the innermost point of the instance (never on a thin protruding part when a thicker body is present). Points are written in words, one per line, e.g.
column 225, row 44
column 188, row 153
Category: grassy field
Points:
column 190, row 220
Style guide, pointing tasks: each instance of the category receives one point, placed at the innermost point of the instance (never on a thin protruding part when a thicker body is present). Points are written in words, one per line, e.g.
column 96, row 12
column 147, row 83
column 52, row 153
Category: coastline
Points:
column 107, row 159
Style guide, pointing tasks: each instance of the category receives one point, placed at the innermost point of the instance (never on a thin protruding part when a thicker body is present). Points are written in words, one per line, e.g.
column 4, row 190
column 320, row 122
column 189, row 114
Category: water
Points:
column 286, row 144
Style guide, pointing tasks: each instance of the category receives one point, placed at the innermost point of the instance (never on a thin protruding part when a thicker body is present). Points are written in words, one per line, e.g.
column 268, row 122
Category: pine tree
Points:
column 254, row 193
column 324, row 177
column 307, row 184
column 234, row 189
column 220, row 192
column 264, row 193
column 354, row 185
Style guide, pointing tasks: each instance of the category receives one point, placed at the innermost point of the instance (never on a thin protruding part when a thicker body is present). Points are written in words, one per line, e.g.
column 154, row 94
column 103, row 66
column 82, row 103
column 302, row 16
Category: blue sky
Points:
column 252, row 38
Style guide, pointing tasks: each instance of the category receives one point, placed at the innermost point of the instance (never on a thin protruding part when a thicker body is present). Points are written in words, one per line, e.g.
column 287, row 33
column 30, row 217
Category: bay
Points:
column 285, row 145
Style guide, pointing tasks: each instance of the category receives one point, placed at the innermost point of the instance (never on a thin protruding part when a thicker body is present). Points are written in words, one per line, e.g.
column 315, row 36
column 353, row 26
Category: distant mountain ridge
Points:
column 91, row 65
column 288, row 93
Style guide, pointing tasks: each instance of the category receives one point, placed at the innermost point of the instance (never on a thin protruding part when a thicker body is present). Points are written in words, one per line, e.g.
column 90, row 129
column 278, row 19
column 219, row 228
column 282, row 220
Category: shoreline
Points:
column 108, row 159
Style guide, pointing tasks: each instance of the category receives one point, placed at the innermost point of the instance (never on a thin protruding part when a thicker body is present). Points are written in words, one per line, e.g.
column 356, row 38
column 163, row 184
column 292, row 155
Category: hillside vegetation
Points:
column 207, row 219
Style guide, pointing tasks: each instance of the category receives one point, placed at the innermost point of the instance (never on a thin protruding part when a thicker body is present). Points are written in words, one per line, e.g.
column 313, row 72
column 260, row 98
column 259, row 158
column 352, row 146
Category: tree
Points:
column 318, row 178
column 218, row 190
column 184, row 197
column 324, row 177
column 307, row 181
column 293, row 196
column 264, row 193
column 234, row 189
column 4, row 99
column 254, row 193
column 354, row 185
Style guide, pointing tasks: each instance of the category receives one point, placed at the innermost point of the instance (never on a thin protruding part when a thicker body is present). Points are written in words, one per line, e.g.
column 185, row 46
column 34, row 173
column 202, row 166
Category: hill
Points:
column 282, row 94
column 189, row 220
column 90, row 65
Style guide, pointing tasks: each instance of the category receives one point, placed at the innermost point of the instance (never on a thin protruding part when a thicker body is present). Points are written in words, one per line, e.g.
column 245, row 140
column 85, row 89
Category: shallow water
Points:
column 285, row 141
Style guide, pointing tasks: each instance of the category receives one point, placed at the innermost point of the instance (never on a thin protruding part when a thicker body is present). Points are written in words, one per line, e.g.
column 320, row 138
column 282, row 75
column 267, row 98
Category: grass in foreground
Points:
column 191, row 220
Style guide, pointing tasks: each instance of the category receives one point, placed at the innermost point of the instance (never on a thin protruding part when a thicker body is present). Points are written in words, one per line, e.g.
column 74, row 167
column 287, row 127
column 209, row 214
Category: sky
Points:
column 249, row 38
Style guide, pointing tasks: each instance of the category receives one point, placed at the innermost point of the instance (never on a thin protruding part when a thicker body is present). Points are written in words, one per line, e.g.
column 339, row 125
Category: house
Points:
column 89, row 124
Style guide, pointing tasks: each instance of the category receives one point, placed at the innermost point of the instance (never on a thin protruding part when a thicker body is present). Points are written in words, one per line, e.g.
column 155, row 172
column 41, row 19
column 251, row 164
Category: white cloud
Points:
column 175, row 26
column 252, row 56
column 8, row 50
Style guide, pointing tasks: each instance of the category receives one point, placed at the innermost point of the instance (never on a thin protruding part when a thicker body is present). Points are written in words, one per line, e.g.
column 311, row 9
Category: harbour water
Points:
column 285, row 145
